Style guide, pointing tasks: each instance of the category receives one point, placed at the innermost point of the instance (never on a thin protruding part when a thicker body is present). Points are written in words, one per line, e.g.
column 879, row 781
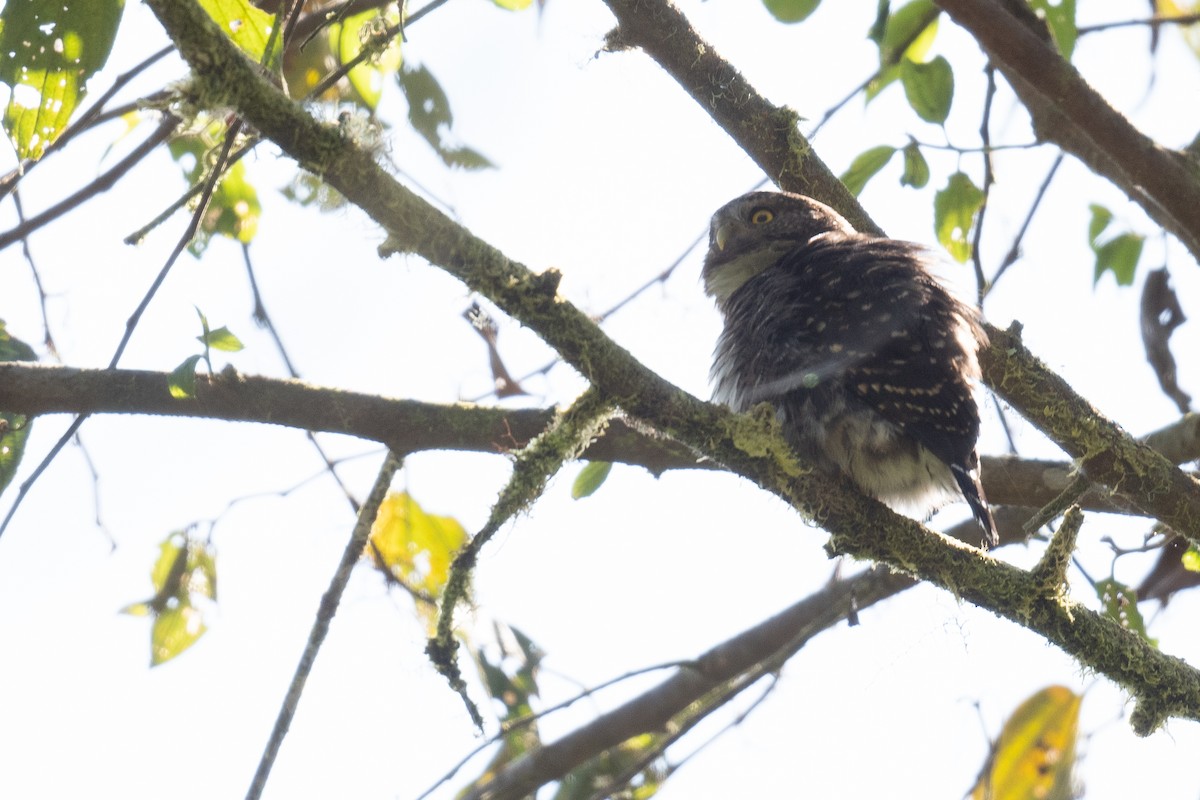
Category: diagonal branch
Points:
column 1066, row 110
column 749, row 445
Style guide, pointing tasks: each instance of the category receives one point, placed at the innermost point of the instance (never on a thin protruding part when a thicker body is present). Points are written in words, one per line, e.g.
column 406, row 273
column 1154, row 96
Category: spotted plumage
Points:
column 868, row 360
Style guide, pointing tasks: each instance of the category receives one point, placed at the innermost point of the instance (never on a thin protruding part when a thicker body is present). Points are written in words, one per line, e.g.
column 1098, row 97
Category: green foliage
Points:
column 514, row 5
column 1191, row 559
column 185, row 582
column 182, row 381
column 249, row 27
column 916, row 168
column 865, row 166
column 1059, row 16
column 1120, row 603
column 590, row 478
column 14, row 428
column 234, row 209
column 791, row 10
column 1034, row 755
column 48, row 51
column 905, row 35
column 954, row 210
column 430, row 115
column 1117, row 254
column 929, row 87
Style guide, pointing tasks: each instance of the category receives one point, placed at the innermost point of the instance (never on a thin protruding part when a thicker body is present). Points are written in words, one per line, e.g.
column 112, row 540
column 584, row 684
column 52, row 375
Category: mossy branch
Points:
column 859, row 526
column 535, row 464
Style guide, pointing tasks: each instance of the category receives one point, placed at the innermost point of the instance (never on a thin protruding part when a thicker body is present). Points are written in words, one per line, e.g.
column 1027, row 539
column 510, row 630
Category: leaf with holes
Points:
column 50, row 51
column 1059, row 16
column 1034, row 755
column 247, row 25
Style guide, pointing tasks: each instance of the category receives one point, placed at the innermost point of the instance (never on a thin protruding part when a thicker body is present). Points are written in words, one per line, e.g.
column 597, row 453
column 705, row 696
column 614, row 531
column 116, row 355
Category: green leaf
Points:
column 906, row 34
column 182, row 381
column 14, row 428
column 879, row 26
column 1101, row 217
column 429, row 114
column 1120, row 604
column 1120, row 256
column 865, row 165
column 50, row 50
column 590, row 478
column 248, row 26
column 514, row 5
column 366, row 31
column 1060, row 19
column 175, row 630
column 909, row 32
column 791, row 10
column 221, row 339
column 916, row 168
column 929, row 88
column 954, row 210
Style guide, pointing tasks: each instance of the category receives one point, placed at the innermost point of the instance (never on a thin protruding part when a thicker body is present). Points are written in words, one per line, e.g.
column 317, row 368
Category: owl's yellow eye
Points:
column 761, row 216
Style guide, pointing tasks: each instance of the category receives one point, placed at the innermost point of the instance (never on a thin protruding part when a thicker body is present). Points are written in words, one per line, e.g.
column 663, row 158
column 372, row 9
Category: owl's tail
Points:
column 972, row 489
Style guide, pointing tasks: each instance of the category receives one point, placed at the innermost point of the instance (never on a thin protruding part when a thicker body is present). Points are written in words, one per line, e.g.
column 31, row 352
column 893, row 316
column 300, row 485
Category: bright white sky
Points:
column 607, row 172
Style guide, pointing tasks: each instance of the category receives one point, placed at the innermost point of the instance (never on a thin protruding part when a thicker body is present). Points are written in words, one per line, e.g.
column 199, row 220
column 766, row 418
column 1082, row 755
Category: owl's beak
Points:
column 720, row 235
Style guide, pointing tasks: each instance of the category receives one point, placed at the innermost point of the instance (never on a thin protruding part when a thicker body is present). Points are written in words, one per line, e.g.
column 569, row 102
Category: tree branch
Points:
column 1066, row 110
column 749, row 445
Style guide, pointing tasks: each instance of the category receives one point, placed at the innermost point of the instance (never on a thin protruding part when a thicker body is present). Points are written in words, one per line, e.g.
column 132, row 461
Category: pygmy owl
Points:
column 867, row 359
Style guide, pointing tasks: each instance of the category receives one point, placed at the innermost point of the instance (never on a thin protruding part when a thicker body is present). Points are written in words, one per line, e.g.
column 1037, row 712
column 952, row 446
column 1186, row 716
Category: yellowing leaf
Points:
column 1035, row 754
column 49, row 52
column 185, row 579
column 249, row 27
column 413, row 546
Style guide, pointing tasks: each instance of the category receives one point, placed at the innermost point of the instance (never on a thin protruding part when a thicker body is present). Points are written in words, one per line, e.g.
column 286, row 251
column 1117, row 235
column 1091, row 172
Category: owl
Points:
column 868, row 361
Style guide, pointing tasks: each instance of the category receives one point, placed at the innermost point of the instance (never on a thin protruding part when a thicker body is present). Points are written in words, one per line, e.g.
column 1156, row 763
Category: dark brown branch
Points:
column 1066, row 110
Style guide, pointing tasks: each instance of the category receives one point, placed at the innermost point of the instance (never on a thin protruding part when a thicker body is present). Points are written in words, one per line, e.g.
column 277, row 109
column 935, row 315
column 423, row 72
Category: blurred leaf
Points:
column 184, row 574
column 430, row 115
column 14, row 428
column 954, row 210
column 1101, row 217
column 1191, row 560
column 865, row 165
column 879, row 26
column 929, row 88
column 175, row 630
column 248, row 26
column 1120, row 604
column 1119, row 254
column 791, row 10
column 590, row 478
column 221, row 339
column 413, row 546
column 1190, row 33
column 514, row 5
column 615, row 765
column 1060, row 19
column 50, row 50
column 234, row 209
column 182, row 381
column 908, row 33
column 1035, row 753
column 367, row 30
column 916, row 168
column 1160, row 314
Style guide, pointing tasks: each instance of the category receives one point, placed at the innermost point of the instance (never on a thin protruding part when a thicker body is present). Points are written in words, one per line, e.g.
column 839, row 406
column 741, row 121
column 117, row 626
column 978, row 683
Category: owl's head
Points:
column 753, row 232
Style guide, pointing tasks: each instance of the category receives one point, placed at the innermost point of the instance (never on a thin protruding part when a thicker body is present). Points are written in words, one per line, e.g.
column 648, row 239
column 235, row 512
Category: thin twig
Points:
column 989, row 177
column 47, row 337
column 328, row 608
column 1014, row 251
column 99, row 185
